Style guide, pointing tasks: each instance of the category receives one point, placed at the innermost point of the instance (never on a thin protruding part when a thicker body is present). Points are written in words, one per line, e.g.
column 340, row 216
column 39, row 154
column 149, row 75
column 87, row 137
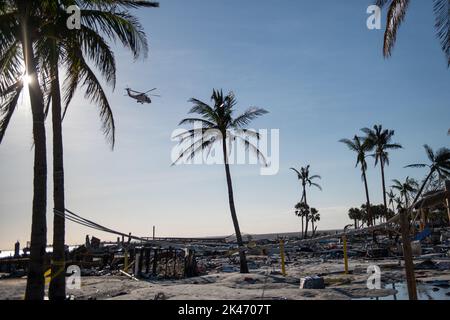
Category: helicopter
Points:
column 141, row 97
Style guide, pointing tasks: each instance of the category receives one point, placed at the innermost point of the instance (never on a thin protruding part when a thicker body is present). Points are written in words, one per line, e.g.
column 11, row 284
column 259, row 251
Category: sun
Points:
column 26, row 79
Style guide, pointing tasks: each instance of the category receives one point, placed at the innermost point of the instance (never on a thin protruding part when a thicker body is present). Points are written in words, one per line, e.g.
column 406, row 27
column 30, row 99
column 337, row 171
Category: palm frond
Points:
column 441, row 10
column 250, row 146
column 396, row 15
column 8, row 106
column 79, row 71
column 120, row 25
column 249, row 115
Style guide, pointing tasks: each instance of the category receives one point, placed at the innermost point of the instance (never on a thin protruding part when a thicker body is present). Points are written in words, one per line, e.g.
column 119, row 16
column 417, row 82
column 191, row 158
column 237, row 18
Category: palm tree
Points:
column 405, row 188
column 396, row 14
column 380, row 141
column 439, row 163
column 361, row 147
column 314, row 216
column 74, row 50
column 55, row 46
column 302, row 210
column 306, row 181
column 391, row 195
column 18, row 30
column 399, row 203
column 355, row 214
column 219, row 125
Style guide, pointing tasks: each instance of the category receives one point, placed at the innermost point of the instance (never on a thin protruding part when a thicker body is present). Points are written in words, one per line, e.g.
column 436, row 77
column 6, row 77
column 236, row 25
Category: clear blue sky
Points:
column 314, row 65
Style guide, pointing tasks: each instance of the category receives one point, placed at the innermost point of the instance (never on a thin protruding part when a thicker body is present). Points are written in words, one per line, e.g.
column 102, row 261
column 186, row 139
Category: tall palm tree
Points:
column 18, row 30
column 75, row 50
column 314, row 216
column 361, row 146
column 306, row 180
column 396, row 14
column 380, row 141
column 56, row 47
column 439, row 163
column 405, row 188
column 219, row 126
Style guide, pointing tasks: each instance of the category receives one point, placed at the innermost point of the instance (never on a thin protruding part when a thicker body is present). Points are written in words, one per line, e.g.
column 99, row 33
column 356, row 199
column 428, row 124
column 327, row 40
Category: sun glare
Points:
column 26, row 79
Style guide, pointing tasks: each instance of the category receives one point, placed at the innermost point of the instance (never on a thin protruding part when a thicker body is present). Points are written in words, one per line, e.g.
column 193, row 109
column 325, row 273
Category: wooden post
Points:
column 153, row 232
column 125, row 260
column 283, row 267
column 137, row 264
column 175, row 264
column 155, row 262
column 344, row 240
column 147, row 260
column 407, row 255
column 141, row 261
column 447, row 188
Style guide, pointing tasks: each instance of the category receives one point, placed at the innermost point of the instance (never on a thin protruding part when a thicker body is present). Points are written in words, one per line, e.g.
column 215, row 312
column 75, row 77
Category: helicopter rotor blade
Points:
column 150, row 90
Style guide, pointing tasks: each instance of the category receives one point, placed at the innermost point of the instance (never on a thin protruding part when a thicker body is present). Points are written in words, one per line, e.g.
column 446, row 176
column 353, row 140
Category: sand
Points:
column 265, row 283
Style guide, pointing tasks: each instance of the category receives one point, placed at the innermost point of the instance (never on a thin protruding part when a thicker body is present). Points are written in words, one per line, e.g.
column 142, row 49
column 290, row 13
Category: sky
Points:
column 314, row 66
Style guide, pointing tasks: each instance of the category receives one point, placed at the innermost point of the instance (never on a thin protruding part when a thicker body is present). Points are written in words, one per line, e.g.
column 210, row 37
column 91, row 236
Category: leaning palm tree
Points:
column 361, row 146
column 396, row 14
column 439, row 163
column 18, row 30
column 405, row 188
column 380, row 141
column 219, row 126
column 306, row 180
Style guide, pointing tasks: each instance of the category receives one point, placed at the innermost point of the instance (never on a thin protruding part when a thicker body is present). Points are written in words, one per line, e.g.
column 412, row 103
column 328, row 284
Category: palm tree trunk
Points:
column 57, row 289
column 383, row 183
column 35, row 280
column 312, row 224
column 369, row 211
column 303, row 230
column 305, row 236
column 422, row 187
column 237, row 230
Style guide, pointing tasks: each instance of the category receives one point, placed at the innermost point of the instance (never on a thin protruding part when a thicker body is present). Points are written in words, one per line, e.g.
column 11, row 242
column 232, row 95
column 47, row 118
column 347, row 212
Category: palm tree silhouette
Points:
column 439, row 163
column 314, row 216
column 302, row 210
column 380, row 141
column 405, row 188
column 361, row 147
column 18, row 32
column 396, row 14
column 219, row 126
column 76, row 50
column 306, row 181
column 355, row 214
column 391, row 195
